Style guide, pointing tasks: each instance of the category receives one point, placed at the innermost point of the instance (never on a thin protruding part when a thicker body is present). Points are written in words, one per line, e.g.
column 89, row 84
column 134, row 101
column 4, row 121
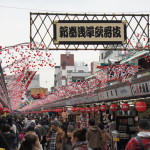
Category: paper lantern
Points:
column 82, row 109
column 77, row 108
column 95, row 109
column 6, row 110
column 35, row 95
column 73, row 109
column 125, row 106
column 140, row 106
column 42, row 95
column 59, row 110
column 64, row 109
column 88, row 110
column 113, row 107
column 54, row 110
column 103, row 108
column 1, row 110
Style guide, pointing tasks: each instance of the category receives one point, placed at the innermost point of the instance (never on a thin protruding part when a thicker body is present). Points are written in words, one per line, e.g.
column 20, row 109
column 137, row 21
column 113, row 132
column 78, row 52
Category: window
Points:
column 80, row 71
column 102, row 56
column 69, row 71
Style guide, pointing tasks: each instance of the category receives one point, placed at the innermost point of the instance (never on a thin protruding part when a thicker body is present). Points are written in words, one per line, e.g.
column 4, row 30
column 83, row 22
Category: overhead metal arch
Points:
column 42, row 28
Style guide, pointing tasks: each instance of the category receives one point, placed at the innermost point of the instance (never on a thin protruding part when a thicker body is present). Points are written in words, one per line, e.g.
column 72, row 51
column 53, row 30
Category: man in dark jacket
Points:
column 3, row 143
column 93, row 136
column 142, row 140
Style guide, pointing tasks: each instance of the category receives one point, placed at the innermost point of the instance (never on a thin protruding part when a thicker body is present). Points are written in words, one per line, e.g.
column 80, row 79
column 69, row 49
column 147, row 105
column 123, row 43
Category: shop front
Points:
column 118, row 106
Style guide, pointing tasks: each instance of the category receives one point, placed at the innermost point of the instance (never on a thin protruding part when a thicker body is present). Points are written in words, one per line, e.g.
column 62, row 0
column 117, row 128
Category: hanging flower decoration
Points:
column 106, row 74
column 20, row 64
column 115, row 72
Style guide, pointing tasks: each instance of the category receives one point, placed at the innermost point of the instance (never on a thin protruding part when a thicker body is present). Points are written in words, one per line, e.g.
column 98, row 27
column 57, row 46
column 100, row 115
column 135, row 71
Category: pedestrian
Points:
column 32, row 129
column 8, row 135
column 79, row 140
column 105, row 137
column 30, row 142
column 142, row 140
column 46, row 129
column 12, row 124
column 54, row 137
column 39, row 128
column 3, row 143
column 93, row 135
column 67, row 145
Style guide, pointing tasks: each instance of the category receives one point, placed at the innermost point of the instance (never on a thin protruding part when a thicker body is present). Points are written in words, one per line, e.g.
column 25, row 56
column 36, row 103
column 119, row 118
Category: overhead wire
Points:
column 33, row 9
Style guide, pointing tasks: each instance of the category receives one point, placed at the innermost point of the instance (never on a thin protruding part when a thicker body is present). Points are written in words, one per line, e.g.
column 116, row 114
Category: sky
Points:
column 15, row 17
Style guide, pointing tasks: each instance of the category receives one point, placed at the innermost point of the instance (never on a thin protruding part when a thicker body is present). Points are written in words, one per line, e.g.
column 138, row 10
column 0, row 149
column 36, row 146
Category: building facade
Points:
column 68, row 72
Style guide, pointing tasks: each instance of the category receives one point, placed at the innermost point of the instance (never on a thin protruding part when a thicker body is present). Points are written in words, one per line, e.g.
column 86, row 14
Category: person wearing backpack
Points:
column 142, row 140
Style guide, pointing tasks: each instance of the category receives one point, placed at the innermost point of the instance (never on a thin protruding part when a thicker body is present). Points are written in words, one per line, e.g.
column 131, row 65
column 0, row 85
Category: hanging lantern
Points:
column 77, row 108
column 82, row 110
column 64, row 109
column 35, row 95
column 59, row 110
column 113, row 107
column 95, row 109
column 45, row 110
column 103, row 107
column 88, row 110
column 125, row 106
column 1, row 110
column 140, row 106
column 73, row 109
column 6, row 110
column 42, row 95
column 54, row 110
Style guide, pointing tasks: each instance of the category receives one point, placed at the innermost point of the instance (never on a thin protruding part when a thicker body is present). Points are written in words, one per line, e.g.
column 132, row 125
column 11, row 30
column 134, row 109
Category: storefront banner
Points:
column 115, row 93
column 102, row 95
column 124, row 91
column 140, row 88
column 121, row 92
column 90, row 98
column 112, row 94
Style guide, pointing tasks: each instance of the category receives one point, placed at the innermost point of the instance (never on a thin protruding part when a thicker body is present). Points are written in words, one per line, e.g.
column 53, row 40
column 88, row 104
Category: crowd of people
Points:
column 34, row 132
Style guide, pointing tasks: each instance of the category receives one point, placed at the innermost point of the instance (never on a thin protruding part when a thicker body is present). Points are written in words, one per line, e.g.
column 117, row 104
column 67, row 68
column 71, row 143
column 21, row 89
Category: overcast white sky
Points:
column 14, row 18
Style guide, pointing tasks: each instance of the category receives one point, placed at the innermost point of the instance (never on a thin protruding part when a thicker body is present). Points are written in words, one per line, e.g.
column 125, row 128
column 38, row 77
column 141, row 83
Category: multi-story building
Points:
column 110, row 56
column 68, row 72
